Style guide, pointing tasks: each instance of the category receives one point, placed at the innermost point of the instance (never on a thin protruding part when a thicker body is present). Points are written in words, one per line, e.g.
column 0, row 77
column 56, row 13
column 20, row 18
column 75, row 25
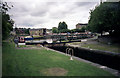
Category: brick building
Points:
column 80, row 25
column 40, row 32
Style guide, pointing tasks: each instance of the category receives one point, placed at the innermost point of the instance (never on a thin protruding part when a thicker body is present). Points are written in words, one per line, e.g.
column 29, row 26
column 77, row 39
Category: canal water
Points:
column 40, row 41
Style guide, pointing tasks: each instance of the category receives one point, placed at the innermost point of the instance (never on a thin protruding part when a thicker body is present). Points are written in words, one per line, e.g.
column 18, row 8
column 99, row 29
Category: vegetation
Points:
column 36, row 36
column 62, row 25
column 78, row 30
column 7, row 22
column 98, row 46
column 105, row 17
column 21, row 46
column 62, row 28
column 42, row 62
column 22, row 30
column 104, row 48
column 55, row 30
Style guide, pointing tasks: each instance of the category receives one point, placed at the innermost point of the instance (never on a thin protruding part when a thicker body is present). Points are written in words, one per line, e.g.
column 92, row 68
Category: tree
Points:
column 7, row 22
column 62, row 26
column 64, row 30
column 26, row 30
column 105, row 17
column 55, row 30
column 83, row 29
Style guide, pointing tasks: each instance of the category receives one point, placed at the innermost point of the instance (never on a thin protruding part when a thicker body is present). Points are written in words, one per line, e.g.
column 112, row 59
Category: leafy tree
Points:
column 105, row 17
column 16, row 30
column 83, row 29
column 64, row 30
column 62, row 26
column 7, row 22
column 65, row 25
column 55, row 30
column 26, row 30
column 78, row 30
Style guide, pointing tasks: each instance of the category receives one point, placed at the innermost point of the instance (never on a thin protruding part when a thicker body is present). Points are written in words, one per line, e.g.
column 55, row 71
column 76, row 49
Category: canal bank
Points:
column 32, row 62
column 113, row 71
column 105, row 58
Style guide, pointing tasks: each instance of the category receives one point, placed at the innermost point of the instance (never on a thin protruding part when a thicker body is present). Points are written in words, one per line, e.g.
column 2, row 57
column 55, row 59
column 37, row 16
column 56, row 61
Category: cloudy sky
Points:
column 47, row 14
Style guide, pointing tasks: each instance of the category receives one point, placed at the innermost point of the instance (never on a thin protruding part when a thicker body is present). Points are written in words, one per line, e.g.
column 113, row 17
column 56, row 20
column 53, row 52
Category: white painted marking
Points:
column 83, row 40
column 103, row 67
column 21, row 44
column 71, row 58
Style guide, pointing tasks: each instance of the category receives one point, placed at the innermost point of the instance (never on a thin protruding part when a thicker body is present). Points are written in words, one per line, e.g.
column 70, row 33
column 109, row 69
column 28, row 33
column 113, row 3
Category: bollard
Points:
column 69, row 51
column 71, row 58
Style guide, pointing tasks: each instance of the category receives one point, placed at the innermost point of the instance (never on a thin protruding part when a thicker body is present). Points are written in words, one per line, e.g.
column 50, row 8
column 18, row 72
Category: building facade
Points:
column 80, row 25
column 40, row 32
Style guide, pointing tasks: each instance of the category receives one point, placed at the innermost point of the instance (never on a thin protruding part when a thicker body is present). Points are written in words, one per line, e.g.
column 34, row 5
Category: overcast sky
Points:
column 47, row 14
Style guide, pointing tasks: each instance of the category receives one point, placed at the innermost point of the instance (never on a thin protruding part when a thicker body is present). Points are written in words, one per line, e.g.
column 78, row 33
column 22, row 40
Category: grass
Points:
column 21, row 46
column 98, row 46
column 34, row 62
column 75, row 43
column 65, row 41
column 36, row 36
column 104, row 48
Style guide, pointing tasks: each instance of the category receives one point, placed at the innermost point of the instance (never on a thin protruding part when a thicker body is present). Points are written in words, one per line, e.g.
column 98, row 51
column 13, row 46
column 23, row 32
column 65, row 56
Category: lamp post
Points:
column 60, row 36
column 100, row 2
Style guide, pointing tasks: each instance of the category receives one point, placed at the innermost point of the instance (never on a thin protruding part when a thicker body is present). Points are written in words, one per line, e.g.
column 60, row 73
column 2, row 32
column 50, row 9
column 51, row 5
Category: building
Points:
column 22, row 31
column 80, row 25
column 13, row 32
column 48, row 31
column 40, row 32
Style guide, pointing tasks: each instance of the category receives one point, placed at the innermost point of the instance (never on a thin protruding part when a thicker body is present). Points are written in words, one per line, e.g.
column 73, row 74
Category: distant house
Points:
column 13, row 32
column 48, row 31
column 40, row 32
column 80, row 25
column 21, row 31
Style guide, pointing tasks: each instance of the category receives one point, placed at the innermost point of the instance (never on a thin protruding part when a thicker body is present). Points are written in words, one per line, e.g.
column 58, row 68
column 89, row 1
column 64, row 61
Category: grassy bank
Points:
column 98, row 45
column 104, row 48
column 42, row 62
